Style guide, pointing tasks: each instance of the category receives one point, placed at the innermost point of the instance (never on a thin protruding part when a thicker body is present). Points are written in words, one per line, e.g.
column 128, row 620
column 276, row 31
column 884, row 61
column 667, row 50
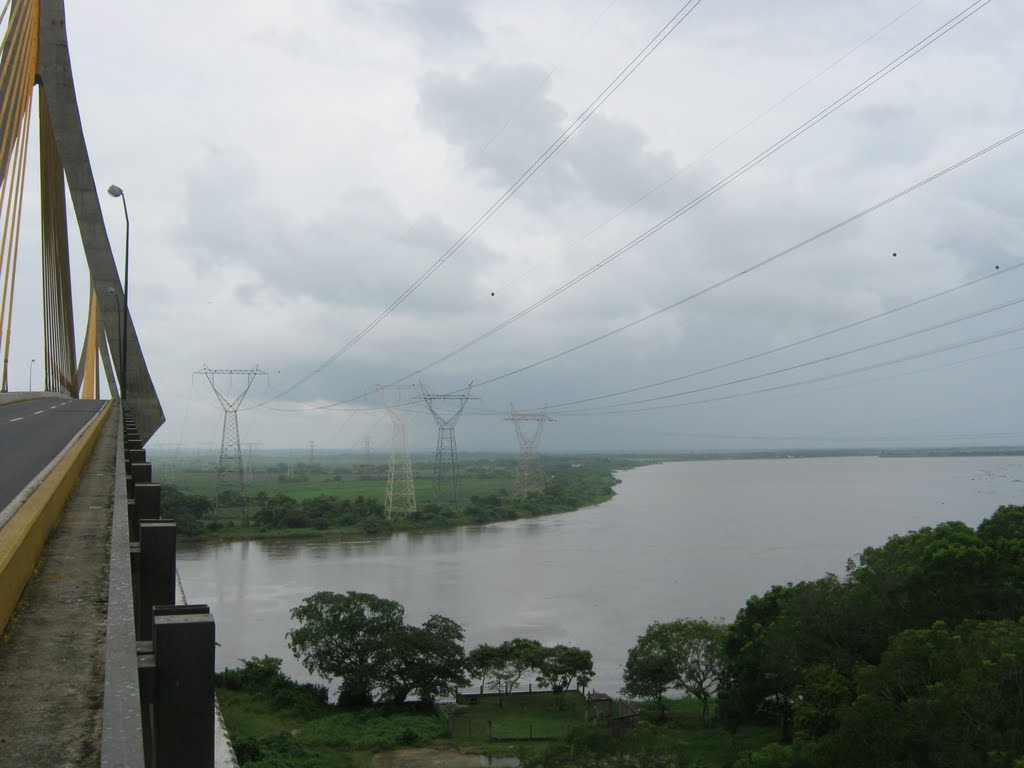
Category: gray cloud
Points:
column 296, row 171
column 609, row 162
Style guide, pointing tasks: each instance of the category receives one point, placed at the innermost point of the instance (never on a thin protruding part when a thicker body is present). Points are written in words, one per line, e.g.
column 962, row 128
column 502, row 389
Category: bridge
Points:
column 102, row 662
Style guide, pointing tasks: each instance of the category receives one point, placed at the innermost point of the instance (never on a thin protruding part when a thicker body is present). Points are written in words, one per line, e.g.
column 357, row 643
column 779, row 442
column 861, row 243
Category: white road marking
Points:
column 18, row 419
column 38, row 412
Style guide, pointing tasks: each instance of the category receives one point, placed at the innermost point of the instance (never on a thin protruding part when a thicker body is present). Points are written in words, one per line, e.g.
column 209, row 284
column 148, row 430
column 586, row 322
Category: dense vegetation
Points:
column 913, row 657
column 346, row 500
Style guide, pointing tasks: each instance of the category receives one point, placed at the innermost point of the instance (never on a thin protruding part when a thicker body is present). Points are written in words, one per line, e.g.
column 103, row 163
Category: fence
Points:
column 466, row 728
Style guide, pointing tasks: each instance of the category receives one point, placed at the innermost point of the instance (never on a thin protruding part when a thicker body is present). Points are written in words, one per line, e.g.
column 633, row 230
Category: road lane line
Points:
column 38, row 412
column 18, row 419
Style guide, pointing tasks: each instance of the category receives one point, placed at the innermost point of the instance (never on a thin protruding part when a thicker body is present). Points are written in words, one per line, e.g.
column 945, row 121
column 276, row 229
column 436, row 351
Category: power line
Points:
column 752, row 121
column 816, row 380
column 652, row 45
column 758, row 265
column 831, row 357
column 903, row 58
column 793, row 344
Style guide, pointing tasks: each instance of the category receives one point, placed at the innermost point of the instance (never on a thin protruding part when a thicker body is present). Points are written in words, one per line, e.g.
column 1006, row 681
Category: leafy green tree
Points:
column 755, row 683
column 482, row 661
column 429, row 660
column 515, row 658
column 339, row 637
column 699, row 645
column 187, row 509
column 558, row 667
column 943, row 573
column 687, row 654
column 938, row 697
column 651, row 666
column 1003, row 532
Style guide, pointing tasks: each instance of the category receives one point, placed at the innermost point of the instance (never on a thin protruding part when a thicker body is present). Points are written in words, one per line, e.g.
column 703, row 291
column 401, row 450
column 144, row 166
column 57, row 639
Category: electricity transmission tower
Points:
column 230, row 444
column 248, row 460
column 366, row 471
column 401, row 493
column 446, row 457
column 530, row 477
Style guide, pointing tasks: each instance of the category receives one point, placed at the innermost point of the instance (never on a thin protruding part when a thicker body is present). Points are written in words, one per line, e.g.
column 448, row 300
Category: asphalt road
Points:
column 32, row 433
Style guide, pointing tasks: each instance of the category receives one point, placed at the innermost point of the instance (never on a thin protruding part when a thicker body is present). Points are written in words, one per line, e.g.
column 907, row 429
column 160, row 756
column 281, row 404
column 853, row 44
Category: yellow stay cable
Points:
column 26, row 42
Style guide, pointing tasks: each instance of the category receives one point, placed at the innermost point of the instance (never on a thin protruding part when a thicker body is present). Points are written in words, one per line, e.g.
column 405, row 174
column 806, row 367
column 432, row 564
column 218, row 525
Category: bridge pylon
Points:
column 35, row 52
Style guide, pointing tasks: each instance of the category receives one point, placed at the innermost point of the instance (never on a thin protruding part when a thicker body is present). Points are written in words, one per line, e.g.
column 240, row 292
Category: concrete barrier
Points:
column 24, row 536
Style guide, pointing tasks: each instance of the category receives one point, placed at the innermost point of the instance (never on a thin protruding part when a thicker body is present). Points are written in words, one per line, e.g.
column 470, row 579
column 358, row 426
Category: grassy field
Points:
column 519, row 716
column 281, row 723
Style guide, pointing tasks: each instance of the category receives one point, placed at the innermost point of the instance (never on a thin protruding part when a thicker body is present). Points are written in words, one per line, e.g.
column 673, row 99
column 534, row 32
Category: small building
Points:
column 599, row 706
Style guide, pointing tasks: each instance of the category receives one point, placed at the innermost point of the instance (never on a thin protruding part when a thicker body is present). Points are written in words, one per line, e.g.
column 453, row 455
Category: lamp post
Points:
column 115, row 191
column 33, row 362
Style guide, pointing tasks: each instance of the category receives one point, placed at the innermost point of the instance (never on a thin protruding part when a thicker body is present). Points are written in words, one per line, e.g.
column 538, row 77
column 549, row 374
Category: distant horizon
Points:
column 1012, row 450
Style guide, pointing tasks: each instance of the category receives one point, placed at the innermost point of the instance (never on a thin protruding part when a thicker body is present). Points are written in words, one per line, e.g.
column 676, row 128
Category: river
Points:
column 685, row 539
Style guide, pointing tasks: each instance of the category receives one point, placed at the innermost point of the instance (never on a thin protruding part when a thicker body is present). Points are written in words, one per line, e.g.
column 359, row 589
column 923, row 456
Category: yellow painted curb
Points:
column 23, row 538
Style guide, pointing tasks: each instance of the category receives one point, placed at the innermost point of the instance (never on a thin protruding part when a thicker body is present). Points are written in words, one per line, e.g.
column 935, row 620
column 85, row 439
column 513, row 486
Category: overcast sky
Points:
column 291, row 169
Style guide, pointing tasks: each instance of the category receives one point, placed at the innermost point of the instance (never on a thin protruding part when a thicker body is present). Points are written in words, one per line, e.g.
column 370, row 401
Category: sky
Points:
column 293, row 170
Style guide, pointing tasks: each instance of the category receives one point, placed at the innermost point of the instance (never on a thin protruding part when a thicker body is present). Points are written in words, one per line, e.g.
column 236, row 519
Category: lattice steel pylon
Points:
column 529, row 478
column 230, row 443
column 446, row 457
column 400, row 498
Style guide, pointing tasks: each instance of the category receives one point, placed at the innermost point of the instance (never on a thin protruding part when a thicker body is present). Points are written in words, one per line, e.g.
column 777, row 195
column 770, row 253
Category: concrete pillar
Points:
column 142, row 472
column 156, row 571
column 136, row 455
column 183, row 710
column 147, row 500
column 133, row 521
column 147, row 695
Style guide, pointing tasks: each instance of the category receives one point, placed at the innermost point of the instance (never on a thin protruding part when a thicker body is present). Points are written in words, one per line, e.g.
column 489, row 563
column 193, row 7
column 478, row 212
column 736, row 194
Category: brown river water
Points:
column 678, row 540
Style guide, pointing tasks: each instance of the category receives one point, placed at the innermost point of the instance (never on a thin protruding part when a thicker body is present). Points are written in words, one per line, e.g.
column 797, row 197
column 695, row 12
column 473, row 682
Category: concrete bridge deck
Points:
column 71, row 664
column 52, row 654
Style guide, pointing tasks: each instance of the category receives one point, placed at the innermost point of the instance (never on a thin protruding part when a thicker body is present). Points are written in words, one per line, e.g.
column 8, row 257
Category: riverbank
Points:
column 274, row 720
column 339, row 508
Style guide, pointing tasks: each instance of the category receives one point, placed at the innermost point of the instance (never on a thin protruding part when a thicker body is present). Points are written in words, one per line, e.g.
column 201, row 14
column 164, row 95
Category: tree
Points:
column 515, row 657
column 686, row 654
column 753, row 685
column 559, row 666
column 482, row 661
column 938, row 697
column 339, row 637
column 429, row 660
column 651, row 667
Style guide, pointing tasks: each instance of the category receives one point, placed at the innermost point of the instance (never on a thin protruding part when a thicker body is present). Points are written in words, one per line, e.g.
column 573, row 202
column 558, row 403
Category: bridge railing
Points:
column 158, row 698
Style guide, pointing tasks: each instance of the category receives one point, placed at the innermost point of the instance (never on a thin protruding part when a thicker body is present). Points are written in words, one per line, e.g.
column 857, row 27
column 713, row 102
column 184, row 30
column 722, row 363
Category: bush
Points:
column 268, row 751
column 372, row 731
column 263, row 677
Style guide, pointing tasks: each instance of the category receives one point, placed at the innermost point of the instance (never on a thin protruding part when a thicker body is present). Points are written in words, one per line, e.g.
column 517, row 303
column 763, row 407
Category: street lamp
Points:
column 115, row 191
column 33, row 362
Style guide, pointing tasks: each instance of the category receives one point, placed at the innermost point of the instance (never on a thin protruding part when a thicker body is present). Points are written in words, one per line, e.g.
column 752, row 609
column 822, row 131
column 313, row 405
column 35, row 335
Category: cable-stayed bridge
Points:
column 102, row 661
